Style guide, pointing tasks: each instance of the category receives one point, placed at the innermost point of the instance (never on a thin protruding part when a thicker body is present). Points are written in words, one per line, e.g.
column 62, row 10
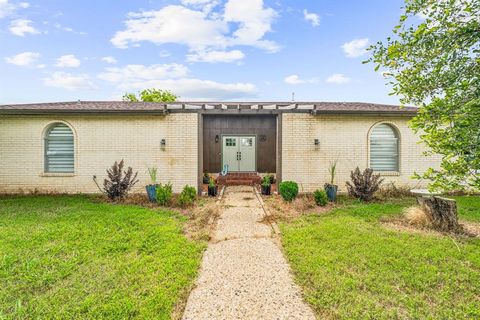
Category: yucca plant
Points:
column 152, row 172
column 330, row 188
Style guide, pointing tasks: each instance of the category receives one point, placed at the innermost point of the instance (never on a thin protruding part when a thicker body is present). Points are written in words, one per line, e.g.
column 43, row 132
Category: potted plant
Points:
column 212, row 188
column 331, row 188
column 206, row 178
column 266, row 186
column 271, row 177
column 152, row 188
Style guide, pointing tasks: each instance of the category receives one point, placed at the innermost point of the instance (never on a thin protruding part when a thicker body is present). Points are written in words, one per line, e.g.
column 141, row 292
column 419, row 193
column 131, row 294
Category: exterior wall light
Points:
column 217, row 138
column 316, row 142
column 163, row 143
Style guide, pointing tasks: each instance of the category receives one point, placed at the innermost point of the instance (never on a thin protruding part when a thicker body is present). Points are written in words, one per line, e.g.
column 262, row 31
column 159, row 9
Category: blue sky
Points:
column 200, row 49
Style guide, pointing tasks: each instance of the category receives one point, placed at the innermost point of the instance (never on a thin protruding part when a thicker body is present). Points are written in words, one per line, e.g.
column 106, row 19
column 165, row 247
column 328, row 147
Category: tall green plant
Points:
column 332, row 169
column 152, row 172
column 432, row 60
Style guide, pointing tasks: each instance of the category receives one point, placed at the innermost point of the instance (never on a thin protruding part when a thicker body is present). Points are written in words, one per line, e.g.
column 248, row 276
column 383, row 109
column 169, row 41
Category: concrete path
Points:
column 244, row 274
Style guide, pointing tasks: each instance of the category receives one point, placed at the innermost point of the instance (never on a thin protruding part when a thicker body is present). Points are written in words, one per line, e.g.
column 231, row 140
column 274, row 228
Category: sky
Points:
column 209, row 50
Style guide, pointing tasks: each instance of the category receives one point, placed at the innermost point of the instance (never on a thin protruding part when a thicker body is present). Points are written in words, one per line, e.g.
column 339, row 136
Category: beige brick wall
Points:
column 99, row 141
column 344, row 138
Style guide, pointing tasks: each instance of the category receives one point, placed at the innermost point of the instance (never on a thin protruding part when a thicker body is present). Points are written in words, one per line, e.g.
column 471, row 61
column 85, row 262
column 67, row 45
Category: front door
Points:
column 239, row 152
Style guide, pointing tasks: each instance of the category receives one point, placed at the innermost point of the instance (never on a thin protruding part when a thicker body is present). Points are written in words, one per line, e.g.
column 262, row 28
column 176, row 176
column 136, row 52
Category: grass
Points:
column 468, row 207
column 68, row 257
column 351, row 267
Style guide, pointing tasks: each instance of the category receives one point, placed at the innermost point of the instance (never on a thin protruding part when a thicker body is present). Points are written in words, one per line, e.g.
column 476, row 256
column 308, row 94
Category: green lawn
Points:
column 468, row 207
column 351, row 267
column 68, row 257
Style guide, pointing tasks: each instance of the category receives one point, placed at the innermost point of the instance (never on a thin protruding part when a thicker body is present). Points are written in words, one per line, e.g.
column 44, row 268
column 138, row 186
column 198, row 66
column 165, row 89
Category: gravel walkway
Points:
column 244, row 274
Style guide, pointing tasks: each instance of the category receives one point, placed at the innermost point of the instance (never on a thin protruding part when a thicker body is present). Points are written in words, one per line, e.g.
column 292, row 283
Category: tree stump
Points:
column 442, row 213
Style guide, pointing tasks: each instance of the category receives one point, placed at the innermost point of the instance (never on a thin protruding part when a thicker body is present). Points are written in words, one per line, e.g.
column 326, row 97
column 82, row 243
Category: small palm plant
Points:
column 152, row 188
column 330, row 188
column 152, row 172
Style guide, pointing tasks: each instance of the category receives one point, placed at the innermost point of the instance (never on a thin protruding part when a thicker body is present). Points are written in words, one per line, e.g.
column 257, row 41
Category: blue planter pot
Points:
column 152, row 192
column 331, row 191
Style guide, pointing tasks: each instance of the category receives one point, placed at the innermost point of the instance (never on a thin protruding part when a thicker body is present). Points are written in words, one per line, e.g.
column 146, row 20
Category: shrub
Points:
column 320, row 197
column 164, row 194
column 119, row 182
column 187, row 196
column 211, row 183
column 364, row 185
column 266, row 181
column 288, row 190
column 392, row 191
column 271, row 177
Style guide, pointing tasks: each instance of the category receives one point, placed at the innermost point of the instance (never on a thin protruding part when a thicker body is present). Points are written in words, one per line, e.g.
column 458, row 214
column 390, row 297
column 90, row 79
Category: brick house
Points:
column 59, row 147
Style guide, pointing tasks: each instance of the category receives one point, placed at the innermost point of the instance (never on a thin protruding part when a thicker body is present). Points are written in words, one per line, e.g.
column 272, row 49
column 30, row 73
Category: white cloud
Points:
column 295, row 79
column 24, row 59
column 216, row 56
column 338, row 78
column 313, row 18
column 243, row 22
column 174, row 77
column 204, row 5
column 168, row 25
column 197, row 2
column 67, row 61
column 197, row 89
column 68, row 81
column 58, row 26
column 7, row 8
column 356, row 48
column 133, row 73
column 109, row 60
column 254, row 20
column 21, row 27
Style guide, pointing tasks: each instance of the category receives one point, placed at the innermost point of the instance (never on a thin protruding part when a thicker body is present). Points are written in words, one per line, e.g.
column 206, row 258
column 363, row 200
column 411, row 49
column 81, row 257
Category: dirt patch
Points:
column 202, row 218
column 470, row 229
column 282, row 210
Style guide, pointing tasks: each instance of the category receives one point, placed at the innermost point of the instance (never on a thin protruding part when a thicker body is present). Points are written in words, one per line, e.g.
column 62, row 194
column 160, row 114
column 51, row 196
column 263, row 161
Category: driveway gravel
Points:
column 244, row 274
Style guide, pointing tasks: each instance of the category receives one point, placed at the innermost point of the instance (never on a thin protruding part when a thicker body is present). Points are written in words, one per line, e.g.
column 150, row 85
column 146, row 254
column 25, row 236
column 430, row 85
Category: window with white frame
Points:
column 59, row 149
column 384, row 148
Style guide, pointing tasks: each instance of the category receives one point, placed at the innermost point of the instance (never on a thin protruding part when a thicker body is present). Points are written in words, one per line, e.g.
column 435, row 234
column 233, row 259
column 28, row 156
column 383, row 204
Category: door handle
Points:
column 240, row 155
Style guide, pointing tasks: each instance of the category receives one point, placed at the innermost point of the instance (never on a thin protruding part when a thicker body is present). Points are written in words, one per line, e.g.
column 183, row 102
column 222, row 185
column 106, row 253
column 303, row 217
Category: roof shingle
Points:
column 141, row 107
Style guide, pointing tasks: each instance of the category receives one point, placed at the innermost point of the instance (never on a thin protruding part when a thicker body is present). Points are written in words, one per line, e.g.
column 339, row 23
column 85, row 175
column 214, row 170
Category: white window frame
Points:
column 397, row 171
column 45, row 134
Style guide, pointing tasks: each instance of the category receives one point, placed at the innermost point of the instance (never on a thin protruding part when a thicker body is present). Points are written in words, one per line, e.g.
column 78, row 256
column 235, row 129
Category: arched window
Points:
column 384, row 148
column 59, row 149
